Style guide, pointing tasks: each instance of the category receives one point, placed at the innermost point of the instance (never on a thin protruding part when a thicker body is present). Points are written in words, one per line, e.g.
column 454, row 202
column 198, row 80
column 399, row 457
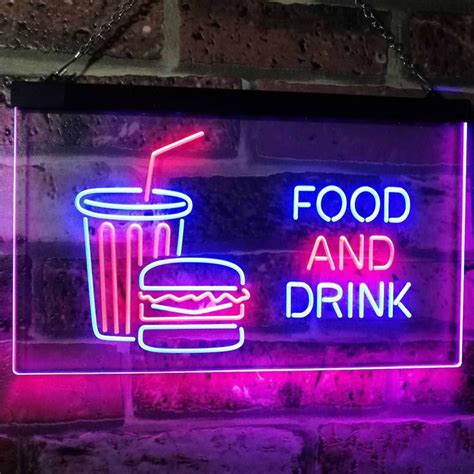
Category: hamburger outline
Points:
column 188, row 305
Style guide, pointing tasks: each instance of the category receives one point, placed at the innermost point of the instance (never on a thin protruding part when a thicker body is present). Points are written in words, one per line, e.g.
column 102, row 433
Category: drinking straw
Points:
column 160, row 151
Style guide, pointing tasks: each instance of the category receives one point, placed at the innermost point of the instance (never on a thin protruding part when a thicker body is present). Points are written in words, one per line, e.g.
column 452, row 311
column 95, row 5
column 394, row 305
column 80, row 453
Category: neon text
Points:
column 321, row 252
column 332, row 299
column 303, row 198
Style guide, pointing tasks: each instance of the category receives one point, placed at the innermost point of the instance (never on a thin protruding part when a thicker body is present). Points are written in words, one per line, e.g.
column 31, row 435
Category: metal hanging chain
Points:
column 387, row 35
column 367, row 10
column 99, row 35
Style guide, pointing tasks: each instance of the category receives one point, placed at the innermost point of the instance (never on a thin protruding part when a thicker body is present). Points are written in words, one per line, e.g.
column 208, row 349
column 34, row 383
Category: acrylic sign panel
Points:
column 169, row 243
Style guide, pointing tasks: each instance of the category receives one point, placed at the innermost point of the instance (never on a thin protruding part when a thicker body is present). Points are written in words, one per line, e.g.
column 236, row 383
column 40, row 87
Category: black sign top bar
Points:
column 66, row 96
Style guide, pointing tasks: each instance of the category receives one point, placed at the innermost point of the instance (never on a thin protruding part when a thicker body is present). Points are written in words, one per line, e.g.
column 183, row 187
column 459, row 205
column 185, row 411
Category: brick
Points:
column 52, row 399
column 390, row 446
column 6, row 205
column 442, row 44
column 429, row 386
column 394, row 447
column 60, row 356
column 469, row 296
column 64, row 290
column 6, row 273
column 6, row 124
column 63, row 26
column 8, row 456
column 232, row 450
column 464, row 397
column 160, row 396
column 386, row 144
column 274, row 351
column 330, row 40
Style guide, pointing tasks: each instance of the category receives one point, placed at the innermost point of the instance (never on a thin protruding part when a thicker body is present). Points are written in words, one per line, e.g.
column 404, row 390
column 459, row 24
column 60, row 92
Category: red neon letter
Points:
column 320, row 258
column 343, row 242
column 388, row 241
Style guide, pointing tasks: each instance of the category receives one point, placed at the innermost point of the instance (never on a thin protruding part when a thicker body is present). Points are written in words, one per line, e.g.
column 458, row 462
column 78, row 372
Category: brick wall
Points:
column 397, row 421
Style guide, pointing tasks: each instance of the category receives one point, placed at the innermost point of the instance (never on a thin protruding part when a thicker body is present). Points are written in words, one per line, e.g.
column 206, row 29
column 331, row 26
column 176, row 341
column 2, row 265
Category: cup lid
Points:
column 127, row 204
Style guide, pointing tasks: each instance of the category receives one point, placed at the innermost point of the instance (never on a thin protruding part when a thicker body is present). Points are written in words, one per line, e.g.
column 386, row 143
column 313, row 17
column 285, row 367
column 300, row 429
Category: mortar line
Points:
column 171, row 26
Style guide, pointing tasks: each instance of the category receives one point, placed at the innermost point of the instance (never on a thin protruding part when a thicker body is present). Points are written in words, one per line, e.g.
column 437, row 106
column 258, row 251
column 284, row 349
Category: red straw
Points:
column 160, row 151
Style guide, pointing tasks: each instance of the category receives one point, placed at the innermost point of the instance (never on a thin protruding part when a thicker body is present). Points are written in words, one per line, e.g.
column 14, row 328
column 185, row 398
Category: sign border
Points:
column 464, row 139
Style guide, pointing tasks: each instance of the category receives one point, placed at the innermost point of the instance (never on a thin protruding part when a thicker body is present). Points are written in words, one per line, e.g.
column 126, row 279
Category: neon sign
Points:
column 241, row 249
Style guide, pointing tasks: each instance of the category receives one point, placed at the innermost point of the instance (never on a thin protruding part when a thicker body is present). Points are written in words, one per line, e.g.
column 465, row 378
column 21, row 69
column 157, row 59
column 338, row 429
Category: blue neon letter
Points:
column 386, row 213
column 296, row 202
column 328, row 299
column 301, row 314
